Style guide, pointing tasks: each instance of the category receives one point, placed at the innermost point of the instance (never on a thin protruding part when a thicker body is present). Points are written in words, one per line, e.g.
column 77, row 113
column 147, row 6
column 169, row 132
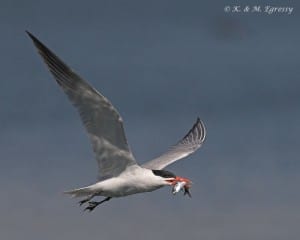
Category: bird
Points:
column 119, row 173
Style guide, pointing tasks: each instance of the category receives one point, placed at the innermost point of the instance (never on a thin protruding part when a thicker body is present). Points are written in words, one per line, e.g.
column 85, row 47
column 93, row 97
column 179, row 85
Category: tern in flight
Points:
column 120, row 175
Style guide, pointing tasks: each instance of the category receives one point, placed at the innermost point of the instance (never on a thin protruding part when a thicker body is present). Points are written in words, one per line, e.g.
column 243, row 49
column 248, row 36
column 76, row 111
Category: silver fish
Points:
column 178, row 186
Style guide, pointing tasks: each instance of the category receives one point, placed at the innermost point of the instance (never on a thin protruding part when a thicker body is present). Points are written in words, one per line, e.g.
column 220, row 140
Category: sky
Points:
column 162, row 64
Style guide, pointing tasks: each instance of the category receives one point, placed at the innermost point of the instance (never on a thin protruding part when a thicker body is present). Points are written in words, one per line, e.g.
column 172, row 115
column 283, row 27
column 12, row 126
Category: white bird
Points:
column 119, row 171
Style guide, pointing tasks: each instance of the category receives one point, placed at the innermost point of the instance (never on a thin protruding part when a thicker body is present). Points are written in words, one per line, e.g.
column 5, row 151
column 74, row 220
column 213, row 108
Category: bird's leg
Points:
column 86, row 199
column 92, row 204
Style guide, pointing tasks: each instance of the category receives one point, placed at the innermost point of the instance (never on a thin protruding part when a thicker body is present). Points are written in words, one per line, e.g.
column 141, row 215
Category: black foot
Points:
column 92, row 205
column 86, row 199
column 83, row 201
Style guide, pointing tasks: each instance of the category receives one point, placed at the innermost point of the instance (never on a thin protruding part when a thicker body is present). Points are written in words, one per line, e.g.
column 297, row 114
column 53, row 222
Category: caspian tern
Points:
column 119, row 171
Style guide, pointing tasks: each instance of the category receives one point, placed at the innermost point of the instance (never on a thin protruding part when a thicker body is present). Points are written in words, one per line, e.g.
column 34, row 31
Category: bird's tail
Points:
column 79, row 192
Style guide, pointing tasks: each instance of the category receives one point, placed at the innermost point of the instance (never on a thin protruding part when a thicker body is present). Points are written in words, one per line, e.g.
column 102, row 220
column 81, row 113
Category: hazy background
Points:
column 162, row 64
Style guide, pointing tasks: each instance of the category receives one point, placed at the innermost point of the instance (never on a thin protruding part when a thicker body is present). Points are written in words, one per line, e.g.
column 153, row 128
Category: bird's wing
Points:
column 101, row 120
column 187, row 145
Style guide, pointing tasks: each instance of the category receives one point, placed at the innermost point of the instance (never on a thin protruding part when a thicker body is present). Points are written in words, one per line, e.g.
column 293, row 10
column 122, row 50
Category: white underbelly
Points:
column 119, row 188
column 127, row 184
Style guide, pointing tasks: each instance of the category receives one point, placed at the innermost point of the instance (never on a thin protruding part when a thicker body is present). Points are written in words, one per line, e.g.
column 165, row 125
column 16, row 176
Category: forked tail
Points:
column 79, row 192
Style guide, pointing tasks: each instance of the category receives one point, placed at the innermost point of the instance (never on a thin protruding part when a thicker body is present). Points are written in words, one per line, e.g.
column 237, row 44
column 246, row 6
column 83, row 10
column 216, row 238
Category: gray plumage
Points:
column 104, row 124
column 101, row 120
column 187, row 145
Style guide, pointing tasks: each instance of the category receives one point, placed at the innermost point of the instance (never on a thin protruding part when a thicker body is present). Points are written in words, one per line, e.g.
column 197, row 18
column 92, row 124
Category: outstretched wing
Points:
column 101, row 120
column 189, row 144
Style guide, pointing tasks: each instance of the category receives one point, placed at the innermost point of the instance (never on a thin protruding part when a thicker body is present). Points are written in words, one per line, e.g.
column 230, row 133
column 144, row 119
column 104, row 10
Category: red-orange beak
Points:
column 180, row 179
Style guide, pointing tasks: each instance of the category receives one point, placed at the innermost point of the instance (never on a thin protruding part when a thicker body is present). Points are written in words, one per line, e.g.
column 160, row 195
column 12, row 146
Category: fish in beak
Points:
column 181, row 184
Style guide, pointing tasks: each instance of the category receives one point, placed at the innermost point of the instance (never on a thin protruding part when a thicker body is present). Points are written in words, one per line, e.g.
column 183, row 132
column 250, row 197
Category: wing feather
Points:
column 186, row 146
column 101, row 120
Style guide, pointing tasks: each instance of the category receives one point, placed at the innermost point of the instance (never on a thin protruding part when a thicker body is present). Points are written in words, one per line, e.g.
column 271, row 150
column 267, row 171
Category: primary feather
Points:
column 186, row 146
column 101, row 120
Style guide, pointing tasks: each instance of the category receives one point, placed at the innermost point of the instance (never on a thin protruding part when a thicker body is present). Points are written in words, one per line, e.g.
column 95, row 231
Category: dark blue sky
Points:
column 162, row 64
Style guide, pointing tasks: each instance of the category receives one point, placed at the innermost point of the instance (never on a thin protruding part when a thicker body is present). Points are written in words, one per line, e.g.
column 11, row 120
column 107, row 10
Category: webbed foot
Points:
column 93, row 204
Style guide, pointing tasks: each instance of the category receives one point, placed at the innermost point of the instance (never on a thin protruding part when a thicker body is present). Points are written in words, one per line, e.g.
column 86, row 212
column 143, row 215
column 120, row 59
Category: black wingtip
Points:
column 197, row 127
column 42, row 49
column 198, row 122
column 34, row 39
column 30, row 34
